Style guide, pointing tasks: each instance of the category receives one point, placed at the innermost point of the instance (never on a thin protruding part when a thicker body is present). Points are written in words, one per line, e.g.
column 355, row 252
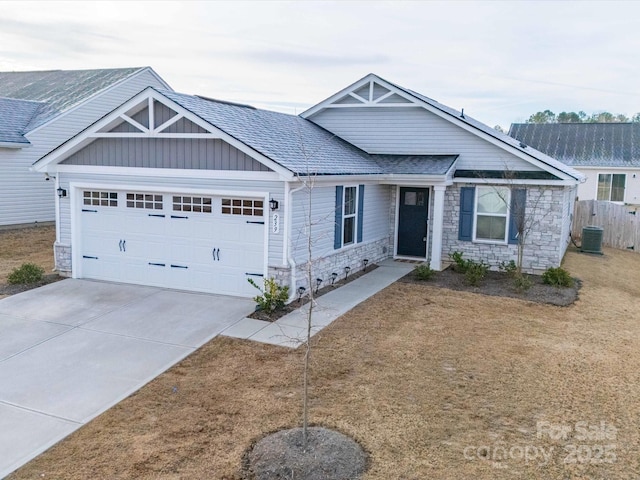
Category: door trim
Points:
column 397, row 220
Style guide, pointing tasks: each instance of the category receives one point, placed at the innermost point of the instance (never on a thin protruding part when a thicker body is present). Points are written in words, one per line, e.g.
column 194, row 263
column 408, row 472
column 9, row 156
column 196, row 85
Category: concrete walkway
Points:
column 290, row 330
column 72, row 349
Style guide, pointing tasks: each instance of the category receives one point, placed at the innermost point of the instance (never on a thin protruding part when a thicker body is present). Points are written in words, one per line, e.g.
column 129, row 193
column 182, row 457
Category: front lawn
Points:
column 434, row 383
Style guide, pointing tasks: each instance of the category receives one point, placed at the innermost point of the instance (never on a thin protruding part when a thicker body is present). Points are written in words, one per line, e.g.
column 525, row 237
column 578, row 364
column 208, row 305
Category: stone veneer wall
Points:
column 62, row 256
column 543, row 247
column 352, row 257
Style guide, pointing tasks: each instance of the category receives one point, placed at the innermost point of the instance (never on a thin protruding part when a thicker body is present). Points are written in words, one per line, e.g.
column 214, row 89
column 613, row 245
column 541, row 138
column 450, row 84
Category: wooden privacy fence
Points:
column 621, row 225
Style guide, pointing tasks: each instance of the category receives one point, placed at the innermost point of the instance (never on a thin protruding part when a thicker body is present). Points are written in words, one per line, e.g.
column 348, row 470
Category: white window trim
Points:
column 506, row 216
column 624, row 194
column 354, row 215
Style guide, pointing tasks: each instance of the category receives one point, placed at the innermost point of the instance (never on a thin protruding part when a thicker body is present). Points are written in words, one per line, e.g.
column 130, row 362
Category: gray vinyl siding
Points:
column 377, row 199
column 25, row 196
column 274, row 189
column 161, row 113
column 414, row 130
column 322, row 219
column 376, row 218
column 184, row 153
column 567, row 216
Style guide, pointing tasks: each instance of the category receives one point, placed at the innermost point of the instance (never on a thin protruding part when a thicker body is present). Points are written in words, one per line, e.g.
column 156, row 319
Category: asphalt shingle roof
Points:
column 584, row 144
column 59, row 90
column 15, row 115
column 415, row 164
column 300, row 145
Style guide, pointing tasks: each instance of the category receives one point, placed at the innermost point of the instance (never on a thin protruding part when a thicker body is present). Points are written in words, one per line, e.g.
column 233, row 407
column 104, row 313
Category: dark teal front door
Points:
column 413, row 214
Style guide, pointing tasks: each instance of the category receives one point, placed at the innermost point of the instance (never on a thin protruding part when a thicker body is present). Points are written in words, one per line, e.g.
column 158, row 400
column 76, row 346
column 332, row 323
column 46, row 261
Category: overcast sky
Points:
column 500, row 61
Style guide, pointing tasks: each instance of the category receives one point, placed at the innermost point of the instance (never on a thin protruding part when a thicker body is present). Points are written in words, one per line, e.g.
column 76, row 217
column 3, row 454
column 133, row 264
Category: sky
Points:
column 500, row 61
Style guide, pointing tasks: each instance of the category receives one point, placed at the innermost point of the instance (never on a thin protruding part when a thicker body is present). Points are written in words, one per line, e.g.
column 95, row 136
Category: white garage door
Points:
column 189, row 242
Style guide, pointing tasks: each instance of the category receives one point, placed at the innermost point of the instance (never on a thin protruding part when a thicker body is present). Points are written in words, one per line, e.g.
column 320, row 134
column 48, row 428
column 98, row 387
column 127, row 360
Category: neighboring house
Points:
column 192, row 193
column 608, row 154
column 41, row 110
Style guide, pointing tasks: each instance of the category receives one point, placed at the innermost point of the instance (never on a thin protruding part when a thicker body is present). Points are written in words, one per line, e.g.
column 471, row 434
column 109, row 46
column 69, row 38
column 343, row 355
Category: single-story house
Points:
column 193, row 193
column 607, row 154
column 41, row 110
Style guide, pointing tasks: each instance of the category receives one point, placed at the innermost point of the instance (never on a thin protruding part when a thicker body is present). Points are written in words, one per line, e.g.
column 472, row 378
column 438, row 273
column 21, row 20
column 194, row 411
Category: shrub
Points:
column 558, row 277
column 475, row 272
column 424, row 272
column 510, row 268
column 26, row 273
column 522, row 283
column 459, row 264
column 273, row 296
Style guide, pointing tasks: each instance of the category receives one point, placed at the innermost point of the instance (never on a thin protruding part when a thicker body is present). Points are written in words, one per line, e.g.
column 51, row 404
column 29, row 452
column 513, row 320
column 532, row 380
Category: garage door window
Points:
column 242, row 206
column 100, row 199
column 191, row 204
column 144, row 200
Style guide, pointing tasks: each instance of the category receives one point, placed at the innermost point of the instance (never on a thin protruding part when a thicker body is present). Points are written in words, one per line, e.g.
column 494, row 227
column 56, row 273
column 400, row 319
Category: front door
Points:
column 413, row 215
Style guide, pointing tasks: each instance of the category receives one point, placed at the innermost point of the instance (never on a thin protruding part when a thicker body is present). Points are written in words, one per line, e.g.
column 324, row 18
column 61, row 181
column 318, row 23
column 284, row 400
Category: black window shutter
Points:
column 516, row 213
column 337, row 239
column 360, row 211
column 465, row 226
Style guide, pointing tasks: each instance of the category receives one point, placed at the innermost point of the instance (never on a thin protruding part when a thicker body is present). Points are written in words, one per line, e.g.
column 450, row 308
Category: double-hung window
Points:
column 491, row 214
column 349, row 219
column 349, row 215
column 611, row 187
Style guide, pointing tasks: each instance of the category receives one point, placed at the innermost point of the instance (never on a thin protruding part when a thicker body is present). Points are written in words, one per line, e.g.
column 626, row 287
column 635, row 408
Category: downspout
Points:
column 288, row 214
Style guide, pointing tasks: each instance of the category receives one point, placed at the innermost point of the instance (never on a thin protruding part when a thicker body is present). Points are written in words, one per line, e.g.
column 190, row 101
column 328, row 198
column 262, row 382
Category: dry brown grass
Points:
column 26, row 245
column 416, row 374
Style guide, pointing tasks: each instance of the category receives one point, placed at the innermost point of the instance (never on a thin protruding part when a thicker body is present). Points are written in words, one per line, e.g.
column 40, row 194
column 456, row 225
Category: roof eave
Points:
column 15, row 145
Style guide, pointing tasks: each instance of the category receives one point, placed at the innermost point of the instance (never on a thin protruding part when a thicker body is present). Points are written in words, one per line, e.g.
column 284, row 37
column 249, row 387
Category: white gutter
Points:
column 286, row 251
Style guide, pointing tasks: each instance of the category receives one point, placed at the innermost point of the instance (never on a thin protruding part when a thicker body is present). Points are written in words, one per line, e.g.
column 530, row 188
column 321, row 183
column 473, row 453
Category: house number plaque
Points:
column 275, row 223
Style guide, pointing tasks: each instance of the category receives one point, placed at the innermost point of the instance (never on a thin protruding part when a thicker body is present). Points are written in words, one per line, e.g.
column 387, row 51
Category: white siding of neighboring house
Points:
column 274, row 189
column 25, row 196
column 414, row 130
column 589, row 189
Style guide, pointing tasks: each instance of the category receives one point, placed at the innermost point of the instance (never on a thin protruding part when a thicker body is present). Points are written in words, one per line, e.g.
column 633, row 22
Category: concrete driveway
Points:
column 72, row 349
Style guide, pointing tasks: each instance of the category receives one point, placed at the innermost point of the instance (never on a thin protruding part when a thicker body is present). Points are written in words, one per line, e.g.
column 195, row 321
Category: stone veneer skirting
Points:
column 62, row 257
column 352, row 257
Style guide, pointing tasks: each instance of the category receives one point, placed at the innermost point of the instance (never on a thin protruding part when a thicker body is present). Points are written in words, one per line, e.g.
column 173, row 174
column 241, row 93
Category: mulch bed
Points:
column 8, row 289
column 273, row 316
column 329, row 455
column 501, row 284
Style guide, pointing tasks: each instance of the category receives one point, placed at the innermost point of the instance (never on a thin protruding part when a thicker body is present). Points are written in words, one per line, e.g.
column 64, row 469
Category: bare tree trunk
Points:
column 307, row 353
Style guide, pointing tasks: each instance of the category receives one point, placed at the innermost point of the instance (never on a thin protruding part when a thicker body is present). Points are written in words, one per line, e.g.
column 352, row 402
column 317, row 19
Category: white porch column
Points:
column 437, row 218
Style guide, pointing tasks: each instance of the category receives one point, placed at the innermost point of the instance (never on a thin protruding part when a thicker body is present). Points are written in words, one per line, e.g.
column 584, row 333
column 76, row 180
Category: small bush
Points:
column 26, row 273
column 459, row 264
column 475, row 273
column 522, row 283
column 558, row 277
column 510, row 268
column 424, row 272
column 273, row 296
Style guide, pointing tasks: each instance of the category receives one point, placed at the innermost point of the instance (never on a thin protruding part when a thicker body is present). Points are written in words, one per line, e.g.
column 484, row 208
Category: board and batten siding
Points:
column 25, row 196
column 414, row 131
column 184, row 153
column 376, row 218
column 275, row 190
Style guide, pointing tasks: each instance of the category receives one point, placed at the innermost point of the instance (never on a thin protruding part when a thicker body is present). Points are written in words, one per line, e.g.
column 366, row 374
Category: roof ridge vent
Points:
column 226, row 102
